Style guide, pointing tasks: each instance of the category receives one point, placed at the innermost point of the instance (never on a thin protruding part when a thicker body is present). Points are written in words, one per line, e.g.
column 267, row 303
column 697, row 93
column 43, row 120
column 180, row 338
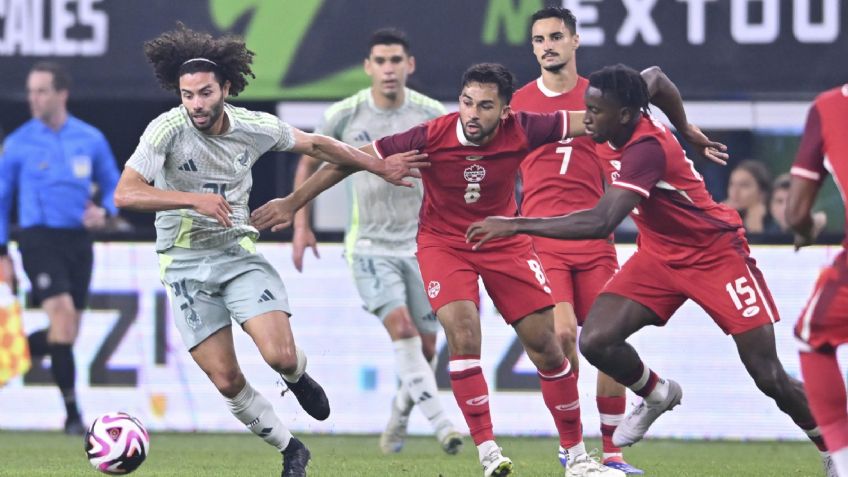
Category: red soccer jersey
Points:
column 677, row 219
column 824, row 146
column 561, row 177
column 467, row 182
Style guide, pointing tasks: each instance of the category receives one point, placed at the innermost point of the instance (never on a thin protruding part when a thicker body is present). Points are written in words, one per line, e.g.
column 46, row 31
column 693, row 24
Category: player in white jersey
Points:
column 380, row 239
column 198, row 157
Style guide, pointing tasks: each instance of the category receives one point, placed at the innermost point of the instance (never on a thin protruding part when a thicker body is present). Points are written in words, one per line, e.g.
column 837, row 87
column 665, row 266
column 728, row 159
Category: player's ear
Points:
column 225, row 88
column 576, row 41
column 411, row 68
column 625, row 115
column 366, row 65
column 505, row 112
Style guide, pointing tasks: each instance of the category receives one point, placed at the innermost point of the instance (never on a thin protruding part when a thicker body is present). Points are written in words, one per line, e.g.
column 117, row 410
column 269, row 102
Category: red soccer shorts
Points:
column 511, row 272
column 576, row 278
column 725, row 282
column 824, row 321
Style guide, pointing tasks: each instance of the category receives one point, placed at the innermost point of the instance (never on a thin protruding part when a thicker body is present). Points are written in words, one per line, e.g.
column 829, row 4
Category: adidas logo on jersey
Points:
column 362, row 137
column 266, row 296
column 188, row 166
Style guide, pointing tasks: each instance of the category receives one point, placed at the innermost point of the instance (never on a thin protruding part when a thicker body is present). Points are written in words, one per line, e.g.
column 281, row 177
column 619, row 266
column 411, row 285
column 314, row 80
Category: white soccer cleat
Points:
column 634, row 426
column 451, row 442
column 587, row 465
column 392, row 439
column 495, row 464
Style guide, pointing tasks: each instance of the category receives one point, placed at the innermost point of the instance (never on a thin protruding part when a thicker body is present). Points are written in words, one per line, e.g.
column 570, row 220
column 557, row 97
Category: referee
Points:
column 51, row 163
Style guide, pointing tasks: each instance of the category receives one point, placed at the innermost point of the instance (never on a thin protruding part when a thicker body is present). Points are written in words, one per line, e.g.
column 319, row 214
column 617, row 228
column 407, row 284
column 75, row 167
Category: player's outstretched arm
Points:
column 665, row 95
column 278, row 214
column 303, row 235
column 334, row 151
column 598, row 222
column 799, row 206
column 134, row 193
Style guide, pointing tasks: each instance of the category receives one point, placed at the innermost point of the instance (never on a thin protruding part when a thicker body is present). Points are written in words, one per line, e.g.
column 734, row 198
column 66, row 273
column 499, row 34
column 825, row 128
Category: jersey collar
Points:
column 545, row 90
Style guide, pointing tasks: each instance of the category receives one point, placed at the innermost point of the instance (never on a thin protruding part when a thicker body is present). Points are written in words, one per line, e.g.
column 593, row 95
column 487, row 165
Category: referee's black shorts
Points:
column 57, row 261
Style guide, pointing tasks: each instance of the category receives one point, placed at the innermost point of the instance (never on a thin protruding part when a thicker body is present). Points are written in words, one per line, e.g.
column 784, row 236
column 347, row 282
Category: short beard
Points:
column 391, row 96
column 554, row 68
column 483, row 134
column 215, row 113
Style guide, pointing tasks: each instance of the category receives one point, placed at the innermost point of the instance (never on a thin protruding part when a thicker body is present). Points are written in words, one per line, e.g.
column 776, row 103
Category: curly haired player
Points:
column 198, row 158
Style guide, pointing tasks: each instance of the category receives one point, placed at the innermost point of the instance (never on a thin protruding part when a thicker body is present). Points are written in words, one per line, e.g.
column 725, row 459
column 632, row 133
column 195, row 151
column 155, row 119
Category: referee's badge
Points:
column 81, row 166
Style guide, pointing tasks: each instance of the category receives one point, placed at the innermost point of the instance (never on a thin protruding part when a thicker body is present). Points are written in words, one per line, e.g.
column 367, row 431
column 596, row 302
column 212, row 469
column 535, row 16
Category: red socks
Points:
column 472, row 396
column 559, row 389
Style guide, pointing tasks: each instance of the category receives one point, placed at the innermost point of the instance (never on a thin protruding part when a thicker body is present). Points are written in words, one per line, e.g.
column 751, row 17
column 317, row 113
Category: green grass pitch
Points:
column 53, row 454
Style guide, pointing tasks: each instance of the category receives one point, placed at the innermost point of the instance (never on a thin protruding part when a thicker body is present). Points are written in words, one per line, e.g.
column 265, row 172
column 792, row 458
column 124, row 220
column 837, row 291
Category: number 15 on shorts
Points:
column 742, row 295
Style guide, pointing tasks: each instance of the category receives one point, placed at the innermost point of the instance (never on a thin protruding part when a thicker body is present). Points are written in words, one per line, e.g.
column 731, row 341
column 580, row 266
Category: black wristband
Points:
column 4, row 250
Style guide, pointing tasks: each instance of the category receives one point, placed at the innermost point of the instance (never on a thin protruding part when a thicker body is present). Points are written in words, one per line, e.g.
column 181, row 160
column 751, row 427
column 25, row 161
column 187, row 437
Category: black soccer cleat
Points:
column 74, row 426
column 311, row 397
column 295, row 458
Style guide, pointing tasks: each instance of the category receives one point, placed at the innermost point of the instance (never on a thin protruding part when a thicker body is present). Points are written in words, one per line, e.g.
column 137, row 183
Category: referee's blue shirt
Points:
column 53, row 172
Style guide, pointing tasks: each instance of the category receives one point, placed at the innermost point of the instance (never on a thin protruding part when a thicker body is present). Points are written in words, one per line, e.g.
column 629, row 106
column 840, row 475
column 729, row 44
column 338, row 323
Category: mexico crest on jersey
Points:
column 242, row 161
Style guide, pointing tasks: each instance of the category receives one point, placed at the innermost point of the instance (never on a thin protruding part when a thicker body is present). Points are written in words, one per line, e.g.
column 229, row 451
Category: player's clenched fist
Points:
column 215, row 206
column 276, row 214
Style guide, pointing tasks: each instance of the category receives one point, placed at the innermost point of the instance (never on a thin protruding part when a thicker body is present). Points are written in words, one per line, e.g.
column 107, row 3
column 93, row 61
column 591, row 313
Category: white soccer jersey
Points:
column 175, row 156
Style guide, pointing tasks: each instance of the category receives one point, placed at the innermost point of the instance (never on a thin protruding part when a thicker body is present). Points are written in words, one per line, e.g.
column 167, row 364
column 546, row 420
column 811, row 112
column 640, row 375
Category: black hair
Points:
column 782, row 181
column 61, row 77
column 759, row 171
column 227, row 57
column 388, row 36
column 622, row 83
column 563, row 14
column 491, row 73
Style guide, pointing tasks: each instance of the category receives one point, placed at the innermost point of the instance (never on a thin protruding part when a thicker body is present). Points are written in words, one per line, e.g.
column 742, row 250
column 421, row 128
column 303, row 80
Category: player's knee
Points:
column 591, row 345
column 228, row 382
column 62, row 332
column 399, row 324
column 401, row 330
column 545, row 354
column 282, row 359
column 567, row 339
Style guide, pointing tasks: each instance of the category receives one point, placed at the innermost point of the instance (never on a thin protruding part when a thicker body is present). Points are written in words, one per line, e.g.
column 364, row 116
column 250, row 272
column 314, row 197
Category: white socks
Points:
column 575, row 451
column 402, row 399
column 258, row 415
column 301, row 367
column 485, row 448
column 418, row 381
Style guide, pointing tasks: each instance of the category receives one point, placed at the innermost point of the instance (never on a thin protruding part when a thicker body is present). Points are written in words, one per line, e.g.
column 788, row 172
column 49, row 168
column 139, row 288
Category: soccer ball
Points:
column 116, row 443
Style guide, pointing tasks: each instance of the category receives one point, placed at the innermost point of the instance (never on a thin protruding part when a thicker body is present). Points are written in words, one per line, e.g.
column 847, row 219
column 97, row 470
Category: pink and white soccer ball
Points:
column 116, row 443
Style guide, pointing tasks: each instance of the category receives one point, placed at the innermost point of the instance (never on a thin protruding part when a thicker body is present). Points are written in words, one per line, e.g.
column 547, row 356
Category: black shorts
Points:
column 57, row 261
